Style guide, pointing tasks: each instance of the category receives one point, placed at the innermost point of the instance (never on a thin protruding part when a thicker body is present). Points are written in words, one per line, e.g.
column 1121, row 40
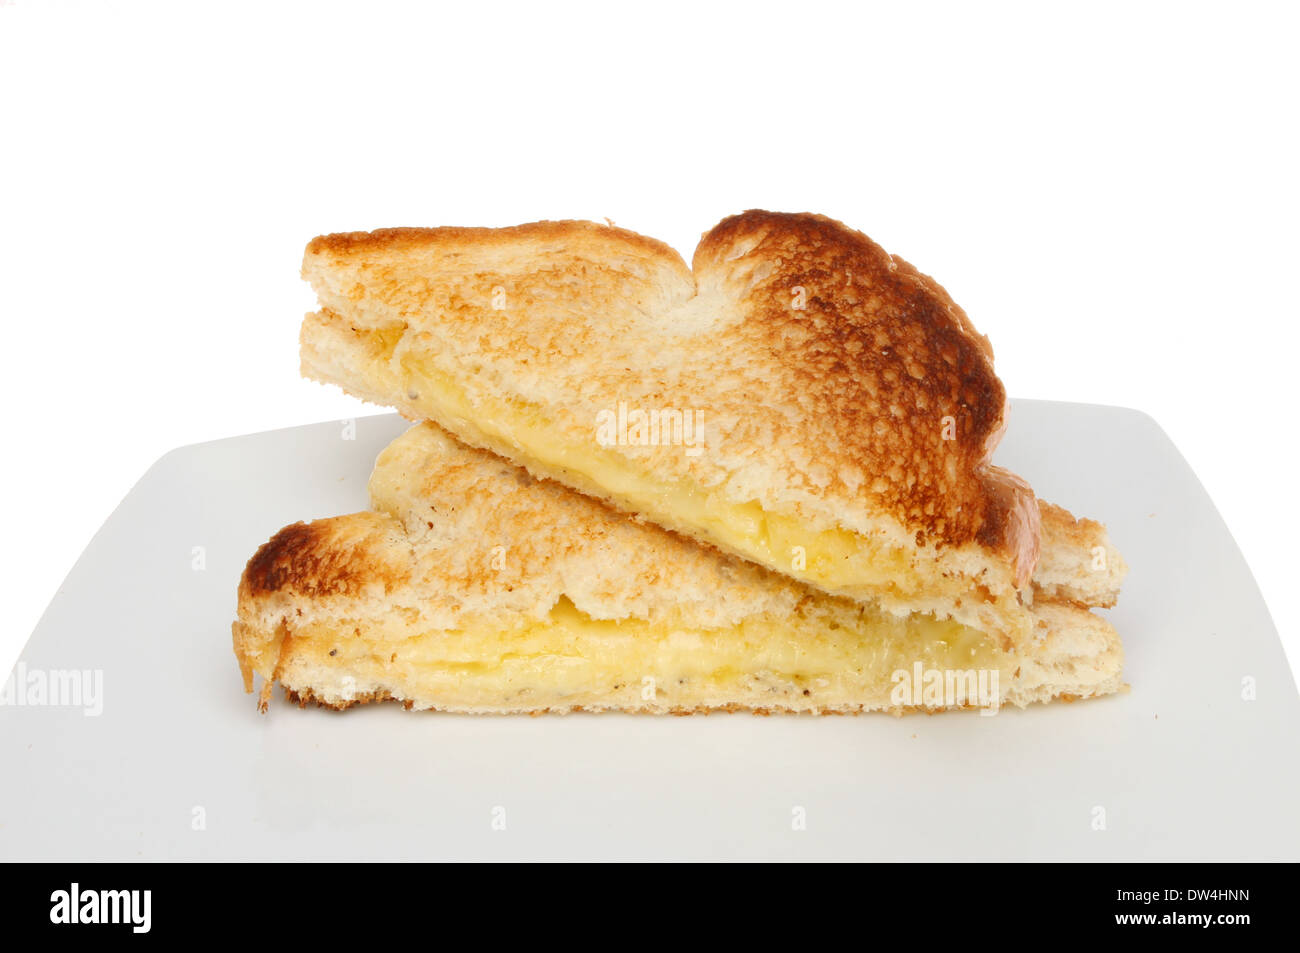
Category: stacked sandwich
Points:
column 761, row 482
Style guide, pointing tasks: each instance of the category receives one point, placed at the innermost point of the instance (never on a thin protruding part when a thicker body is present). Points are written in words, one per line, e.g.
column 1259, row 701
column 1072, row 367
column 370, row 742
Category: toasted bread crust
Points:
column 875, row 341
column 568, row 232
column 306, row 697
column 329, row 557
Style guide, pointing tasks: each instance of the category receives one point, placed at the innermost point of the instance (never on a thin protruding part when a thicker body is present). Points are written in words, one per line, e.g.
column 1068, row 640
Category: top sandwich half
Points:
column 798, row 397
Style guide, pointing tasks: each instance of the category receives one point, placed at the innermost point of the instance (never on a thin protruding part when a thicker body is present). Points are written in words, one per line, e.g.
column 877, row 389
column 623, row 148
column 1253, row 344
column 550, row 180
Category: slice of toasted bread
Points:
column 800, row 398
column 474, row 587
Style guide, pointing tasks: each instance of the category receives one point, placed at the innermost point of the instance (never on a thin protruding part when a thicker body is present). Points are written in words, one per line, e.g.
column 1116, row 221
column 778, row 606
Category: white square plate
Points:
column 180, row 765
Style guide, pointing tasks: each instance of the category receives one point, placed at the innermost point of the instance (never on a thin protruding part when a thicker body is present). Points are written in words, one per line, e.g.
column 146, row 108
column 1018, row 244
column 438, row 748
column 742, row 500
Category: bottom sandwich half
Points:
column 472, row 587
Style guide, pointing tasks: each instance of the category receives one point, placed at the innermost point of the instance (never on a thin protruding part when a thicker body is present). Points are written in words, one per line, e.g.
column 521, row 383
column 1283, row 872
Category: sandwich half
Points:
column 472, row 586
column 799, row 397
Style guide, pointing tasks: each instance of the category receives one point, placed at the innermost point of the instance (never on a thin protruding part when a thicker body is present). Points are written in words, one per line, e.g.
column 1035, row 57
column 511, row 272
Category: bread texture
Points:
column 1079, row 563
column 474, row 587
column 831, row 412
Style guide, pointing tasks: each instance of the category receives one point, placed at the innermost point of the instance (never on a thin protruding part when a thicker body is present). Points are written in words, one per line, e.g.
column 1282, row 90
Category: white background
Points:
column 1110, row 192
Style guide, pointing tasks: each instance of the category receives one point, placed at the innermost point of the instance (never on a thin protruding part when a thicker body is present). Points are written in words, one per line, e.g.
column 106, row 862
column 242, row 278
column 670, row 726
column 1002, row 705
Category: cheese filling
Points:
column 808, row 662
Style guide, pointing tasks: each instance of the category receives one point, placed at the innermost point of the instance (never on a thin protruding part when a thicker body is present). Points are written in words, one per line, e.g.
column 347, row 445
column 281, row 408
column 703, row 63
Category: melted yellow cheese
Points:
column 807, row 662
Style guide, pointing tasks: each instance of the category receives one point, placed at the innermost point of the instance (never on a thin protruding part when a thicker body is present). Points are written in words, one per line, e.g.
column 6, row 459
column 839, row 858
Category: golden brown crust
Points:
column 1076, row 532
column 339, row 556
column 875, row 341
column 305, row 697
column 564, row 231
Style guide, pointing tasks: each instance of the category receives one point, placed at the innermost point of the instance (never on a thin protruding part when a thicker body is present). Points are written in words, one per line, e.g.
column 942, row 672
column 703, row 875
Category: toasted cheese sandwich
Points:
column 471, row 586
column 798, row 397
